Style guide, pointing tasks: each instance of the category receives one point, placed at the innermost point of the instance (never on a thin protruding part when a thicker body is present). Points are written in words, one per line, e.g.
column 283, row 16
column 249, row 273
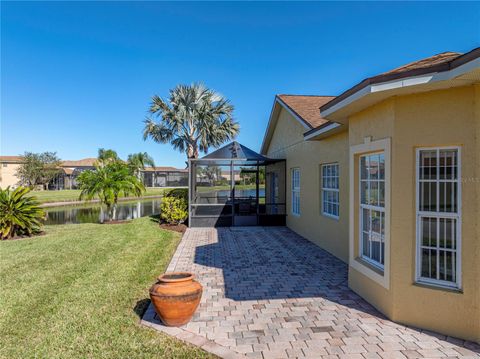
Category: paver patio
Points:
column 269, row 293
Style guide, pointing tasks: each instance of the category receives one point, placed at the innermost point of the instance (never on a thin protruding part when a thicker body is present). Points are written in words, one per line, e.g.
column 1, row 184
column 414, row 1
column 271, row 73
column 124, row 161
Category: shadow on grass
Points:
column 141, row 306
column 155, row 218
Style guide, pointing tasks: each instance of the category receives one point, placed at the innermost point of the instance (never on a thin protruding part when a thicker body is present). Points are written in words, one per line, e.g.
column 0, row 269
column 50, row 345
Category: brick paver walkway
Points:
column 269, row 293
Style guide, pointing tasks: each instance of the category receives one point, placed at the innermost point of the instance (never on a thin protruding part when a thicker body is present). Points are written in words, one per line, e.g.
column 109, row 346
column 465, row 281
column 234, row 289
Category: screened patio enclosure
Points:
column 235, row 186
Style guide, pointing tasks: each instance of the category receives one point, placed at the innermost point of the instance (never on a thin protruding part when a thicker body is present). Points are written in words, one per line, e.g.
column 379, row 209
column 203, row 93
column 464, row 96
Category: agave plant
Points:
column 19, row 214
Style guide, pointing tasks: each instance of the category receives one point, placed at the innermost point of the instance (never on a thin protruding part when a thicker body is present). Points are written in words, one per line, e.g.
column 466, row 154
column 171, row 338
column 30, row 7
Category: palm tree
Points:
column 139, row 161
column 107, row 182
column 193, row 119
column 106, row 156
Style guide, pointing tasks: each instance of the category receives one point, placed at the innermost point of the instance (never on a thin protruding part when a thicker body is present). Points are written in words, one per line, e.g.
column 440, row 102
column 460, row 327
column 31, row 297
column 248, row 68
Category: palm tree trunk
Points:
column 192, row 151
column 109, row 212
column 114, row 211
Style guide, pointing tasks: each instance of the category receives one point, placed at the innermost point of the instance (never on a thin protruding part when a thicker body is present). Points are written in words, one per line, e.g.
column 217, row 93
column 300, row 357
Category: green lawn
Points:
column 72, row 194
column 76, row 292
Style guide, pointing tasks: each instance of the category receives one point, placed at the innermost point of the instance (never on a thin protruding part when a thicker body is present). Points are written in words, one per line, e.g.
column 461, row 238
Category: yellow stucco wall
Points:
column 376, row 122
column 287, row 142
column 7, row 174
column 437, row 118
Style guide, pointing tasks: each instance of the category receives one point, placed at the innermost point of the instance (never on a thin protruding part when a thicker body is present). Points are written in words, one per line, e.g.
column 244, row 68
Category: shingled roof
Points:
column 444, row 61
column 11, row 158
column 444, row 57
column 306, row 107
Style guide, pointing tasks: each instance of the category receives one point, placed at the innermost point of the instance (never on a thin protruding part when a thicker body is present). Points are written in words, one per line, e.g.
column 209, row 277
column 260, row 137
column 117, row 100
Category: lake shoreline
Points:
column 73, row 203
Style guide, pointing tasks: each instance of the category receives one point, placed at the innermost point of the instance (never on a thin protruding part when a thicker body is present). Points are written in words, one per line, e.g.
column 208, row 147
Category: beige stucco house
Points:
column 386, row 177
column 69, row 170
column 8, row 170
column 65, row 180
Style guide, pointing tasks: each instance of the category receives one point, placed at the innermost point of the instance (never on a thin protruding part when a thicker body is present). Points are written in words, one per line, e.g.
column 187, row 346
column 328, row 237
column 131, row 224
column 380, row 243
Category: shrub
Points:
column 19, row 213
column 178, row 193
column 173, row 210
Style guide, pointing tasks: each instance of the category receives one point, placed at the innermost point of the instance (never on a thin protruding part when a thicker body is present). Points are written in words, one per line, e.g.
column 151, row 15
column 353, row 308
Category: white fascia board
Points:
column 268, row 129
column 402, row 83
column 357, row 95
column 322, row 130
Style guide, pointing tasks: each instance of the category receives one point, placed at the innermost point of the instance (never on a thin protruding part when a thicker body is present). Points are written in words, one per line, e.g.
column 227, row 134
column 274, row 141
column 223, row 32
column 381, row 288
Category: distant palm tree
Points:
column 139, row 161
column 107, row 156
column 193, row 119
column 107, row 182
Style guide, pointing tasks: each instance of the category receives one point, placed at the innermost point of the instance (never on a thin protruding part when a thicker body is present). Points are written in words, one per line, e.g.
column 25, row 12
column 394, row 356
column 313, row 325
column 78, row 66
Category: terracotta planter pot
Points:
column 175, row 297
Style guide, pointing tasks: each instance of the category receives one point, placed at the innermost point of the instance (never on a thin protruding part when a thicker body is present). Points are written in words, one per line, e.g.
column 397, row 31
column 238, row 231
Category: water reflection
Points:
column 93, row 213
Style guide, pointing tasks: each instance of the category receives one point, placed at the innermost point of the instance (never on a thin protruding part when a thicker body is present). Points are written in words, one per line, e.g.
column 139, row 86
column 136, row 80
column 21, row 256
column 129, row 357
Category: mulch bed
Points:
column 181, row 228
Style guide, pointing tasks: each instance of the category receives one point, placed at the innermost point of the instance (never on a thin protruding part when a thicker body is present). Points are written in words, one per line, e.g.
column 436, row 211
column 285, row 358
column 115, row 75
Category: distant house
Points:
column 8, row 169
column 228, row 176
column 165, row 177
column 69, row 171
column 386, row 177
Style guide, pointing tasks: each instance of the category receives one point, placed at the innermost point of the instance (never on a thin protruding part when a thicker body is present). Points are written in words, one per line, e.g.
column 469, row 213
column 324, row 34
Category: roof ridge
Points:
column 457, row 59
column 405, row 66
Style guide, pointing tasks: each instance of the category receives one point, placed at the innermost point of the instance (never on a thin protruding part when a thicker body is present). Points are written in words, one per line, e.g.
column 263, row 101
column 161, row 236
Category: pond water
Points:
column 92, row 213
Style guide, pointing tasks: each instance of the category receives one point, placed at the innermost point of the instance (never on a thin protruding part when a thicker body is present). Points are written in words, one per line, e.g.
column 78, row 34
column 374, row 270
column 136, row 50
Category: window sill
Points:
column 440, row 287
column 370, row 266
column 331, row 216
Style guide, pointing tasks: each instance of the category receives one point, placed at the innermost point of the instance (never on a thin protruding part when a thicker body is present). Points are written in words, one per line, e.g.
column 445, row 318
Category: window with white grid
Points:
column 296, row 191
column 438, row 216
column 372, row 208
column 330, row 190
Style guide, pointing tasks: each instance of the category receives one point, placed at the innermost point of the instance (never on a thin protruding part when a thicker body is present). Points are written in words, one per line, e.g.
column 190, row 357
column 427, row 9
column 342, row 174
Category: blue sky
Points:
column 79, row 76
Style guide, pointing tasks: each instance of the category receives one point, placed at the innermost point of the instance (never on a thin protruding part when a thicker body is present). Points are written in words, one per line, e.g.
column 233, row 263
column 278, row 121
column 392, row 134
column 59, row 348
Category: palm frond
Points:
column 20, row 213
column 195, row 118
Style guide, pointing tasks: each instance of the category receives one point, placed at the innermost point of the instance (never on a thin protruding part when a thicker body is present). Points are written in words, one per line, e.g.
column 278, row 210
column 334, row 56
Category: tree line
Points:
column 40, row 169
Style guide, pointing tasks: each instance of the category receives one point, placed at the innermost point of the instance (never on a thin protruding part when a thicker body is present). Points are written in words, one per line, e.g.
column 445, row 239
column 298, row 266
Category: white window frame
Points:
column 330, row 189
column 438, row 215
column 376, row 275
column 361, row 207
column 295, row 190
